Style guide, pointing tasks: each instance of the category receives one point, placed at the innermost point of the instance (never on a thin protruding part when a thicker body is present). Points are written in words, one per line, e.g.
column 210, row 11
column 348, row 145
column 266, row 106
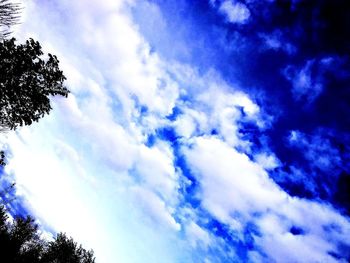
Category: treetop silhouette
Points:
column 26, row 82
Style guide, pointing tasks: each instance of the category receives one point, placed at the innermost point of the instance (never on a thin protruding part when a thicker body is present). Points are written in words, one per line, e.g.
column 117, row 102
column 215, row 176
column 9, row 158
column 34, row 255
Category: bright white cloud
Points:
column 235, row 189
column 230, row 181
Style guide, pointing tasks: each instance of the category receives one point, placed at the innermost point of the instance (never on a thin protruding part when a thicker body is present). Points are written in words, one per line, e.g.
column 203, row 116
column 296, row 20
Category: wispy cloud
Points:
column 235, row 12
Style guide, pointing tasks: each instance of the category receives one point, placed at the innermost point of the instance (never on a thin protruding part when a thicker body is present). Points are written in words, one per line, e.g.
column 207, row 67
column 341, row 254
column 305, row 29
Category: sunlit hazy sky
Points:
column 195, row 131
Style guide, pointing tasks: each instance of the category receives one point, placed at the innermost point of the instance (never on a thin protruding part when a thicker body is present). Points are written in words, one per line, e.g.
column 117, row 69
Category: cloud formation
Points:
column 162, row 159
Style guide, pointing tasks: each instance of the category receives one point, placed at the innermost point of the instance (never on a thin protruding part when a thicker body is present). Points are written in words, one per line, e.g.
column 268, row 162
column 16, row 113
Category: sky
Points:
column 195, row 131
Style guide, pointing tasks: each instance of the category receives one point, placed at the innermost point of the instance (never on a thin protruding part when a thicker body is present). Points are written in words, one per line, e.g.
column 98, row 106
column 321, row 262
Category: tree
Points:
column 26, row 82
column 20, row 242
column 2, row 158
column 9, row 15
column 64, row 250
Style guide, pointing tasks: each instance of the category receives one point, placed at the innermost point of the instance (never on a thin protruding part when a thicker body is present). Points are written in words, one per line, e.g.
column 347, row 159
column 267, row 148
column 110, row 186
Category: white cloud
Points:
column 317, row 149
column 197, row 235
column 277, row 41
column 156, row 169
column 230, row 181
column 216, row 106
column 268, row 162
column 235, row 12
column 235, row 189
column 155, row 208
column 185, row 125
column 304, row 85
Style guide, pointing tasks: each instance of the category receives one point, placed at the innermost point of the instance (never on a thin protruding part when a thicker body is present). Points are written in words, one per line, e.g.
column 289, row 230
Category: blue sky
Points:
column 195, row 131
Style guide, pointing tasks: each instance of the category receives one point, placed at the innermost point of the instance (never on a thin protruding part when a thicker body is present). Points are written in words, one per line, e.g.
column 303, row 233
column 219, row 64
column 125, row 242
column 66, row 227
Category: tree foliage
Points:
column 9, row 15
column 2, row 158
column 26, row 82
column 64, row 249
column 20, row 242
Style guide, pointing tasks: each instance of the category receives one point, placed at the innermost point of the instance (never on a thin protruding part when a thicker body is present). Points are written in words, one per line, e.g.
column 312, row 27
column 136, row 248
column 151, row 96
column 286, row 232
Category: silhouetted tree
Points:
column 20, row 242
column 25, row 244
column 26, row 82
column 65, row 250
column 2, row 158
